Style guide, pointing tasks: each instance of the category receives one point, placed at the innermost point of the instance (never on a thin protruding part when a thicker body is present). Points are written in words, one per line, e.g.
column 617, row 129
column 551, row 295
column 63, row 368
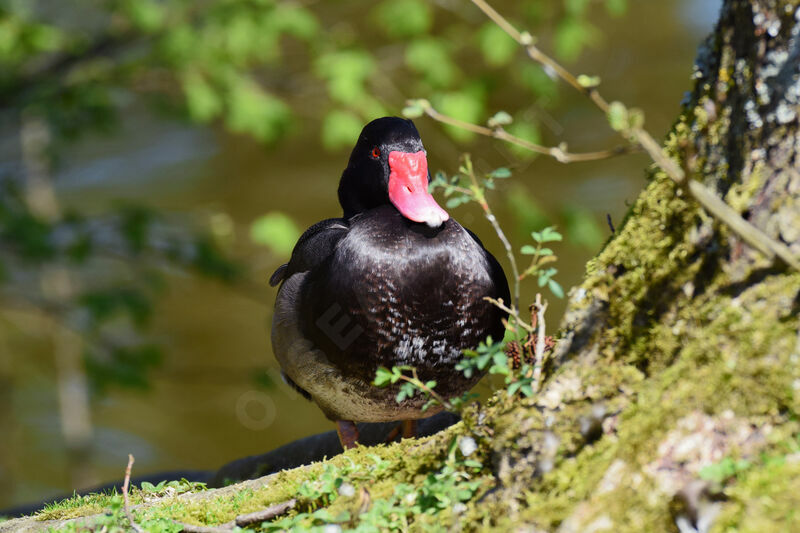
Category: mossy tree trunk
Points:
column 676, row 391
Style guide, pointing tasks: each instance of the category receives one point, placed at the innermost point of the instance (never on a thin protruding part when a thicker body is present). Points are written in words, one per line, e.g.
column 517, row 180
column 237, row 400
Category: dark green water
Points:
column 204, row 409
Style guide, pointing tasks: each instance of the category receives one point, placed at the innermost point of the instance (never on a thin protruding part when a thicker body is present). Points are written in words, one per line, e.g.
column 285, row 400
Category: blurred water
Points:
column 204, row 408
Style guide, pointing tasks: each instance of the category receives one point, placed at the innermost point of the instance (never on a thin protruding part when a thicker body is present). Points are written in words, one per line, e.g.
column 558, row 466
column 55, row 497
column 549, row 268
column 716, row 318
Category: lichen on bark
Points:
column 688, row 321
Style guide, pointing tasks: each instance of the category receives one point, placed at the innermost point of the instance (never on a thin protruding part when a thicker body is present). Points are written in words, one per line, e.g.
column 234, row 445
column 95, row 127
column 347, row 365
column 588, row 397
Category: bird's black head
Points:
column 388, row 166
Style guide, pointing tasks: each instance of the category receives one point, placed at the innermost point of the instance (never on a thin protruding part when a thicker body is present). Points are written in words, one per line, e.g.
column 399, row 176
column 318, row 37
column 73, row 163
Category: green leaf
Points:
column 346, row 72
column 382, row 377
column 499, row 364
column 496, row 45
column 146, row 15
column 202, row 100
column 616, row 8
column 548, row 234
column 545, row 275
column 501, row 173
column 439, row 180
column 456, row 201
column 254, row 111
column 430, row 403
column 555, row 288
column 501, row 118
column 340, row 129
column 404, row 18
column 617, row 116
column 297, row 21
column 723, row 470
column 407, row 390
column 528, row 250
column 431, row 58
column 576, row 7
column 276, row 231
column 588, row 82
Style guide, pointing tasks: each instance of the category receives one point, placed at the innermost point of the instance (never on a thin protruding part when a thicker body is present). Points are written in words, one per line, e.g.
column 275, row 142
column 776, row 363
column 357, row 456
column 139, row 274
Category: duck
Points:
column 394, row 281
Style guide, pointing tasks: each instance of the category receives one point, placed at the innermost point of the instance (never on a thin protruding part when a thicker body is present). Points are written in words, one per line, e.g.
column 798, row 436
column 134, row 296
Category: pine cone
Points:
column 514, row 352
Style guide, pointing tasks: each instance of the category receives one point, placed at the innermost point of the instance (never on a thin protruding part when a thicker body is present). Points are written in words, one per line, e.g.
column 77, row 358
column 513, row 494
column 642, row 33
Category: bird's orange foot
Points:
column 409, row 429
column 348, row 433
column 406, row 429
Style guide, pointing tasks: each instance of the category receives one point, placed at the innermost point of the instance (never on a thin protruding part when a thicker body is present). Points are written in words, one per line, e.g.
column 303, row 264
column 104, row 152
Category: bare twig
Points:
column 559, row 153
column 610, row 223
column 191, row 528
column 498, row 302
column 704, row 196
column 242, row 520
column 539, row 351
column 267, row 514
column 127, row 506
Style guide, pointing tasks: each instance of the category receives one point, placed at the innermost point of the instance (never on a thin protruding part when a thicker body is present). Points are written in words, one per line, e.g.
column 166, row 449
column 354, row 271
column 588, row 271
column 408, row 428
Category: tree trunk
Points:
column 676, row 396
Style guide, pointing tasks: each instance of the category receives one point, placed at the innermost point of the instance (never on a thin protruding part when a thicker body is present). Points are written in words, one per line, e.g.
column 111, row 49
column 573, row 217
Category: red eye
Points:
column 376, row 152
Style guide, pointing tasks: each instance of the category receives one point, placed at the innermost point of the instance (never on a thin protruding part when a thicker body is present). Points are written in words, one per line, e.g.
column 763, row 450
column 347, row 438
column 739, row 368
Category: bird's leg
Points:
column 348, row 433
column 409, row 429
column 393, row 434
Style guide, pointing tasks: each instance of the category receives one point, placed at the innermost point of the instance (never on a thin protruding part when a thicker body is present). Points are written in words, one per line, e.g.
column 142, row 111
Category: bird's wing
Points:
column 314, row 246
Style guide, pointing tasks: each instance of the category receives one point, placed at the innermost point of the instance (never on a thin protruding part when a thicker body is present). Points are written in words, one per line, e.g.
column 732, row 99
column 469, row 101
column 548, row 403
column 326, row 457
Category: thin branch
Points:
column 487, row 211
column 527, row 40
column 559, row 153
column 610, row 223
column 267, row 514
column 127, row 505
column 191, row 528
column 244, row 520
column 704, row 196
column 539, row 352
column 513, row 312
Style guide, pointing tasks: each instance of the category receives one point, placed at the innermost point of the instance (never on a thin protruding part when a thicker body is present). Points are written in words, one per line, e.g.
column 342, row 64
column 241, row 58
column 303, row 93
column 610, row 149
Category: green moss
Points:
column 765, row 497
column 81, row 506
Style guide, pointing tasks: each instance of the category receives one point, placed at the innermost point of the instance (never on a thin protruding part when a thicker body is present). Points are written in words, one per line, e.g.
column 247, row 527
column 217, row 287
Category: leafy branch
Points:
column 475, row 190
column 417, row 107
column 466, row 187
column 542, row 256
column 411, row 385
column 629, row 123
